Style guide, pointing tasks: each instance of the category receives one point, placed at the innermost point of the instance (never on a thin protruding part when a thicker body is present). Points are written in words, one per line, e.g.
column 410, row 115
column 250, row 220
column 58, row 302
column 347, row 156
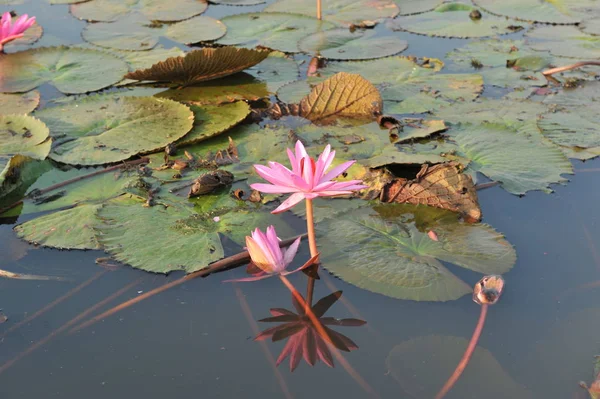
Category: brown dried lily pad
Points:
column 343, row 94
column 201, row 65
column 441, row 186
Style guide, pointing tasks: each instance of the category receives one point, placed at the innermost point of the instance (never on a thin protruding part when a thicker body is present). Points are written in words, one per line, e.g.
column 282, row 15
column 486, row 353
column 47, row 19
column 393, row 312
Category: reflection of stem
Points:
column 78, row 178
column 54, row 303
column 312, row 243
column 321, row 331
column 68, row 324
column 467, row 355
column 223, row 264
column 263, row 344
column 319, row 9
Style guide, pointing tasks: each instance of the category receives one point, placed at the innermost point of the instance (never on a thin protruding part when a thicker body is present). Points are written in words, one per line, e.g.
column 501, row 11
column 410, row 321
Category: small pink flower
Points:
column 10, row 31
column 433, row 235
column 307, row 179
column 268, row 258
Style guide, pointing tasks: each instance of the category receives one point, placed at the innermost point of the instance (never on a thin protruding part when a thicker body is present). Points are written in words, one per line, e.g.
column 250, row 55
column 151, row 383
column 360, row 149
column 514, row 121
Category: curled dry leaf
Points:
column 201, row 65
column 442, row 186
column 343, row 94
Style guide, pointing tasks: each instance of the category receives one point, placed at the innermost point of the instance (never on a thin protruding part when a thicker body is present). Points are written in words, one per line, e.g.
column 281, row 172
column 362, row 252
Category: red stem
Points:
column 467, row 355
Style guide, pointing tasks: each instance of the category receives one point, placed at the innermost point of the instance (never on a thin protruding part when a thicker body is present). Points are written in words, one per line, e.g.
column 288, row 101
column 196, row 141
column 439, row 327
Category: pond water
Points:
column 196, row 339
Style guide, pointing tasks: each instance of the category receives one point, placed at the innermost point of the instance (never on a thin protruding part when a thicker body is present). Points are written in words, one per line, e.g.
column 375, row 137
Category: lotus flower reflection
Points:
column 308, row 178
column 304, row 339
column 10, row 31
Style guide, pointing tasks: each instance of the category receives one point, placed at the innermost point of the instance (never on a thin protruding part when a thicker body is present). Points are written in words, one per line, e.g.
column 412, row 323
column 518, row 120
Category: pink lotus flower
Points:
column 10, row 31
column 268, row 258
column 307, row 179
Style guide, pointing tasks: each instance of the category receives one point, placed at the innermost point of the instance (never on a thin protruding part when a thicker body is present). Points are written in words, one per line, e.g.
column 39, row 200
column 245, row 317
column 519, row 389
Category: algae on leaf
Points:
column 388, row 254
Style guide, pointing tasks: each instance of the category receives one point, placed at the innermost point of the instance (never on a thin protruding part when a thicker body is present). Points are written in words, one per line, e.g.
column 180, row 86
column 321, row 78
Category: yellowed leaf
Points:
column 201, row 65
column 343, row 94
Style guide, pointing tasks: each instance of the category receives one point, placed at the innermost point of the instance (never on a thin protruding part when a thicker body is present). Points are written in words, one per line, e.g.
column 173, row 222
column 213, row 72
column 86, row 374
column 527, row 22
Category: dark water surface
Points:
column 195, row 340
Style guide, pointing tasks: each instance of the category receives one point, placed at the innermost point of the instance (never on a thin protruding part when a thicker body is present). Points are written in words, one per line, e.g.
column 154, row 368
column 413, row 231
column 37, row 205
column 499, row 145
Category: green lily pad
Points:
column 211, row 120
column 19, row 103
column 136, row 32
column 389, row 255
column 145, row 59
column 345, row 12
column 276, row 70
column 106, row 129
column 20, row 173
column 428, row 93
column 564, row 41
column 328, row 208
column 408, row 87
column 69, row 229
column 154, row 10
column 158, row 239
column 518, row 162
column 408, row 7
column 241, row 86
column 368, row 140
column 573, row 120
column 521, row 116
column 21, row 138
column 275, row 30
column 163, row 239
column 70, row 70
column 93, row 190
column 453, row 20
column 342, row 44
column 550, row 12
column 421, row 366
column 294, row 92
column 503, row 63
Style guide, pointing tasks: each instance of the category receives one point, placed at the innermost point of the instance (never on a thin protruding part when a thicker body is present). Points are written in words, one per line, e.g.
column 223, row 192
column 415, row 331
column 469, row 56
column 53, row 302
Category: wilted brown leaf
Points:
column 442, row 186
column 343, row 94
column 201, row 65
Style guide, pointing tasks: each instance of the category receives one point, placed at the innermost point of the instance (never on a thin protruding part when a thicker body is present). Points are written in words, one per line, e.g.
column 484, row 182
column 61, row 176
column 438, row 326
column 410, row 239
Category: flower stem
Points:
column 318, row 12
column 312, row 243
column 467, row 355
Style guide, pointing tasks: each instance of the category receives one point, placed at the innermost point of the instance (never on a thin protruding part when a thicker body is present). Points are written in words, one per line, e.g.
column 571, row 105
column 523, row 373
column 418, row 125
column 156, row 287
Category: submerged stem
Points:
column 218, row 266
column 466, row 356
column 19, row 276
column 312, row 243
